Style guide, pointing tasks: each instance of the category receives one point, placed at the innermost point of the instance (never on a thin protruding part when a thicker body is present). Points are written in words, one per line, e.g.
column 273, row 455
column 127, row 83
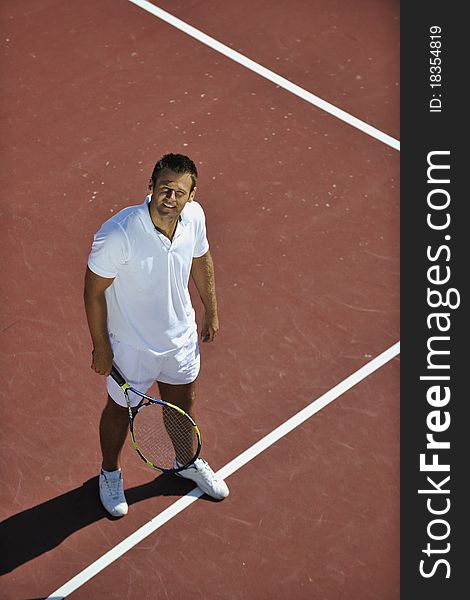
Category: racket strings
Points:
column 162, row 434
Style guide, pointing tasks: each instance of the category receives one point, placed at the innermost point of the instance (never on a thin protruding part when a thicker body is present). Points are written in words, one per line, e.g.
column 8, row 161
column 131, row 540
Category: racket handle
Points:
column 118, row 378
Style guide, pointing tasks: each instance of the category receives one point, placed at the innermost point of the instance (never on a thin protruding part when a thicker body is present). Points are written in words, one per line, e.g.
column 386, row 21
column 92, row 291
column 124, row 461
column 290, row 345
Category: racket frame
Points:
column 126, row 388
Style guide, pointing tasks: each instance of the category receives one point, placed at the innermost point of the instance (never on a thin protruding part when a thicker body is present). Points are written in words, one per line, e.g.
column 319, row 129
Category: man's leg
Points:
column 200, row 472
column 114, row 427
column 179, row 428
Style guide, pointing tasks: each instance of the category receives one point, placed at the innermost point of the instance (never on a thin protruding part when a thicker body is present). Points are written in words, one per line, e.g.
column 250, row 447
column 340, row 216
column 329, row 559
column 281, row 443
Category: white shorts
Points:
column 141, row 368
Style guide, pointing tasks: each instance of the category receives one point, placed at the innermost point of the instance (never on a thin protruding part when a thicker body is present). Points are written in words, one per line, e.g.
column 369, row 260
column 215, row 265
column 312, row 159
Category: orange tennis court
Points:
column 291, row 114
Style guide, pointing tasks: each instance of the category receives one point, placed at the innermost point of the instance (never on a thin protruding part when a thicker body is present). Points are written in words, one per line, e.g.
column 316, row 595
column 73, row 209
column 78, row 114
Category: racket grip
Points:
column 118, row 378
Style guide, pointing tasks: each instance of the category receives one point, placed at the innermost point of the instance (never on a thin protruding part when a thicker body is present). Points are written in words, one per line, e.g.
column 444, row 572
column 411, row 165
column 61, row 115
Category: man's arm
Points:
column 97, row 316
column 202, row 272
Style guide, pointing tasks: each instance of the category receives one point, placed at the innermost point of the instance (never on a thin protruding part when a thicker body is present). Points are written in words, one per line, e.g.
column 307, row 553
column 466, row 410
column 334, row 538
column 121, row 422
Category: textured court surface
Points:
column 303, row 216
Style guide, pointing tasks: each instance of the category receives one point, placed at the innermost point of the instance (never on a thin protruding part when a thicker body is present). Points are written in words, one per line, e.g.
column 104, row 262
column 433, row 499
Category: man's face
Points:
column 171, row 192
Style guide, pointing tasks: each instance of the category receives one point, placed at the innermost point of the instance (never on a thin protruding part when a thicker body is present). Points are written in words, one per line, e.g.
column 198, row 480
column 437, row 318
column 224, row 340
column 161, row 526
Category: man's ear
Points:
column 192, row 194
column 150, row 185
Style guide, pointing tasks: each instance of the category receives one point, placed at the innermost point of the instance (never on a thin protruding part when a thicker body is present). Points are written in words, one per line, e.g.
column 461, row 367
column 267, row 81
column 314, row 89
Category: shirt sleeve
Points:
column 109, row 251
column 201, row 245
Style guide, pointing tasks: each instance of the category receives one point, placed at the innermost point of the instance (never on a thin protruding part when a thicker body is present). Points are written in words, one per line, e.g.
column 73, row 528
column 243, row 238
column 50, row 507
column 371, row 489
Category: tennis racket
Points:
column 164, row 435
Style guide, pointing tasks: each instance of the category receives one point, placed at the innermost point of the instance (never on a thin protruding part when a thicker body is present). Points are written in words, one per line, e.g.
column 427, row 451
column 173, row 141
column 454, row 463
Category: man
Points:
column 140, row 314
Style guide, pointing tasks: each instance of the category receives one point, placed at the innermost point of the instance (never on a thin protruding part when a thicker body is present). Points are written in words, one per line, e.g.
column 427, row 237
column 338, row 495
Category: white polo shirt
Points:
column 149, row 306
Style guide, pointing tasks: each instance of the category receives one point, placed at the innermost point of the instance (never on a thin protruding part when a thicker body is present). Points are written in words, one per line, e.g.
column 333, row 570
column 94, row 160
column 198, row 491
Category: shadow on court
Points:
column 33, row 532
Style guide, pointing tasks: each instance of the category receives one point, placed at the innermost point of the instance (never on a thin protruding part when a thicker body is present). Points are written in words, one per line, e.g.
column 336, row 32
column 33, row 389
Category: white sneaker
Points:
column 112, row 493
column 206, row 479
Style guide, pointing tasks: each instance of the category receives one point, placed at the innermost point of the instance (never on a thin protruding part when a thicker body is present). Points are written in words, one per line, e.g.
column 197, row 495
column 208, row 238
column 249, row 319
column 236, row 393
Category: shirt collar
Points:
column 146, row 219
column 184, row 217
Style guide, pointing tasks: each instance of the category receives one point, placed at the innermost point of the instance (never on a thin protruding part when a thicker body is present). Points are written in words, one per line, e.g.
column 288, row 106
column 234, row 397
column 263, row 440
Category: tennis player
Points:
column 140, row 314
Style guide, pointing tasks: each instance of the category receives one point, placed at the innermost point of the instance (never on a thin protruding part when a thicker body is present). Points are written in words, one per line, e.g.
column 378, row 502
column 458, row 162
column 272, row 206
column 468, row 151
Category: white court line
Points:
column 225, row 472
column 267, row 74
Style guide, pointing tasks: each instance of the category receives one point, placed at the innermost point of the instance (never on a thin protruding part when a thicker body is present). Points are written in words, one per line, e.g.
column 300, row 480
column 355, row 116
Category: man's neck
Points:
column 166, row 226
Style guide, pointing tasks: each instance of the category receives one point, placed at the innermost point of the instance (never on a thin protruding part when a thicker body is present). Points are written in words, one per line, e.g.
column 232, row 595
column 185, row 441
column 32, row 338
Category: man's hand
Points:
column 102, row 359
column 210, row 326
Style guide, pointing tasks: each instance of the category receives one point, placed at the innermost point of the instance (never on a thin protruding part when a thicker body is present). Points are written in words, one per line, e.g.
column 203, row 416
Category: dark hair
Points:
column 179, row 163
